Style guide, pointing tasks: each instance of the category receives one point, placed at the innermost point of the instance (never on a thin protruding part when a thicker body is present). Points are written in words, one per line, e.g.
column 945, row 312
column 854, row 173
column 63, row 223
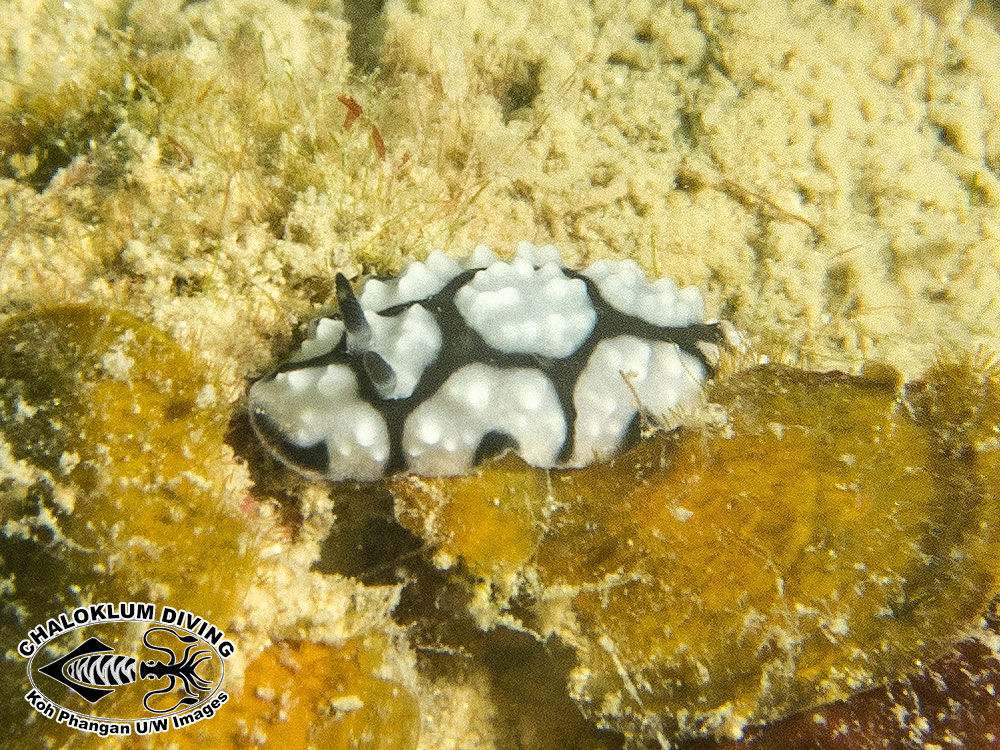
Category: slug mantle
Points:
column 455, row 362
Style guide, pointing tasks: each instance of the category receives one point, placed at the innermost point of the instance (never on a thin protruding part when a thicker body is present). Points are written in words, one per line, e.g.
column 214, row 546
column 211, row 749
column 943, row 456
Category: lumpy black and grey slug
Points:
column 452, row 362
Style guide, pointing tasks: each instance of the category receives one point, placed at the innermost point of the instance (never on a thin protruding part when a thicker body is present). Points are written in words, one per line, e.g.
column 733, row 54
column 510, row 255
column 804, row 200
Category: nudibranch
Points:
column 454, row 362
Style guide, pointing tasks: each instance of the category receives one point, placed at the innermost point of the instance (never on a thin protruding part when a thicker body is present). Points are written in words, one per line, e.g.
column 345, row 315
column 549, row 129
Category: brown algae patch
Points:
column 117, row 483
column 836, row 530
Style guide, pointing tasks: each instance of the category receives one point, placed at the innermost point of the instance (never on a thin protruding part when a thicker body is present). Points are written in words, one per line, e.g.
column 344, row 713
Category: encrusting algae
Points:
column 120, row 487
column 835, row 532
column 117, row 480
column 829, row 534
column 304, row 694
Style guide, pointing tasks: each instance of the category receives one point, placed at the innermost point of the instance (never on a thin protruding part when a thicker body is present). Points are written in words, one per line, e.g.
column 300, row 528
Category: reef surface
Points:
column 198, row 172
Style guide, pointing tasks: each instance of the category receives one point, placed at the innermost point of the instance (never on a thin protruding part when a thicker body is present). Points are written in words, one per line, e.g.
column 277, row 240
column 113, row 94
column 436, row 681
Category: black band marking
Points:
column 316, row 457
column 493, row 444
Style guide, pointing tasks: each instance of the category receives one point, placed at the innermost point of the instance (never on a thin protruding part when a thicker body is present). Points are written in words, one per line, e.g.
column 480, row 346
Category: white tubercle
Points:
column 320, row 406
column 443, row 433
column 518, row 308
column 409, row 342
column 623, row 375
column 625, row 286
